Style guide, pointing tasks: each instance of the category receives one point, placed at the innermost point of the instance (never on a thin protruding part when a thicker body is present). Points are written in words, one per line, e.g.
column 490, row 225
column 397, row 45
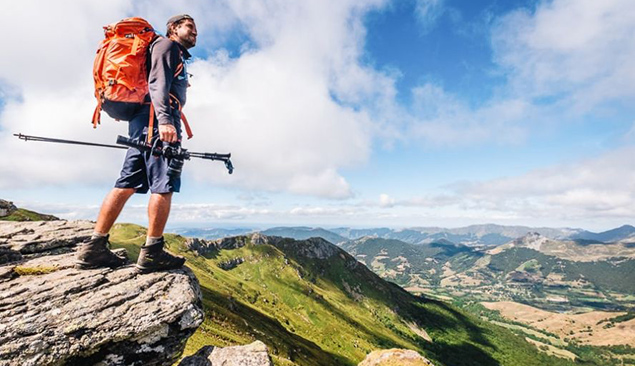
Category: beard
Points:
column 188, row 41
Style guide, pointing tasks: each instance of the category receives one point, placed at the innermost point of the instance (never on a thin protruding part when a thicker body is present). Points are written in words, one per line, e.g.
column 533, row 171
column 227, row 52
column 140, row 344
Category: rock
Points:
column 202, row 246
column 231, row 264
column 9, row 212
column 54, row 314
column 6, row 208
column 310, row 248
column 254, row 354
column 395, row 357
column 25, row 239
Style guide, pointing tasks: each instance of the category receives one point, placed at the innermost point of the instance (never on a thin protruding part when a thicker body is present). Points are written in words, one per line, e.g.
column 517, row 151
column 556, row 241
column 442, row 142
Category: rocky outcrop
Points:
column 6, row 208
column 254, row 354
column 231, row 264
column 395, row 357
column 24, row 240
column 316, row 248
column 54, row 314
column 9, row 212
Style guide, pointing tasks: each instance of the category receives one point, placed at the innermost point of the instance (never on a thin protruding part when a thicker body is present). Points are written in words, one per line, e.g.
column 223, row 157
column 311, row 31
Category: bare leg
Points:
column 111, row 208
column 158, row 212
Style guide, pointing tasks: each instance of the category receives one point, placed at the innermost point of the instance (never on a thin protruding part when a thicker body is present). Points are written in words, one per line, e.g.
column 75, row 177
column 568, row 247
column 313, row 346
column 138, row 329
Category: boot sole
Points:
column 86, row 265
column 156, row 269
column 142, row 269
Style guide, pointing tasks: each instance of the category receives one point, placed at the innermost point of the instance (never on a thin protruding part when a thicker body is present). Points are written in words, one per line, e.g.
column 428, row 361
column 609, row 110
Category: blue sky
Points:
column 357, row 113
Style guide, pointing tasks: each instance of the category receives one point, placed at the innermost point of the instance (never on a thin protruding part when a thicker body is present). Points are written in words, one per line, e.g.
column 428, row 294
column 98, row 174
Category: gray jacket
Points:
column 165, row 58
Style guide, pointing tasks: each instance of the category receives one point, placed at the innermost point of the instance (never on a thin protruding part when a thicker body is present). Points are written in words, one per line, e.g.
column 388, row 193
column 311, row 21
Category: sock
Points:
column 98, row 235
column 153, row 240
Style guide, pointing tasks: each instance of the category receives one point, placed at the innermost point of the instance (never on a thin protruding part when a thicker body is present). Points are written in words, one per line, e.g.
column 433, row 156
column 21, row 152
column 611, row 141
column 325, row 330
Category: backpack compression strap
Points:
column 188, row 130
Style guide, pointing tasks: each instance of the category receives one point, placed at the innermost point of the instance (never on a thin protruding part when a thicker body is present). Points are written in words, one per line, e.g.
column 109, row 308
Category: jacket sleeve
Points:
column 164, row 60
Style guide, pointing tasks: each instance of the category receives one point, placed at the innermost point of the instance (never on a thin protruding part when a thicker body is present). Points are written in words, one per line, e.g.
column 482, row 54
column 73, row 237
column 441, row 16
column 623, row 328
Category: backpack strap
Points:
column 151, row 123
column 188, row 130
column 97, row 113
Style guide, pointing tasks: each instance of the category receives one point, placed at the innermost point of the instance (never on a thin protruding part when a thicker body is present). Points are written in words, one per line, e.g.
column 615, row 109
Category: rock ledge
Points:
column 54, row 314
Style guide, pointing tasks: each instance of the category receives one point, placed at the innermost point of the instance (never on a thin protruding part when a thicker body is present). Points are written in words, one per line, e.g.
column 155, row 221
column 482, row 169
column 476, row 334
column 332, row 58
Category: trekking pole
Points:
column 176, row 154
column 60, row 141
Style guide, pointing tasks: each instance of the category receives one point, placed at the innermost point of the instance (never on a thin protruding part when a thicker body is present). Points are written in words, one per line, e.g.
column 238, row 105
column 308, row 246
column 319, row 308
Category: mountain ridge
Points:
column 472, row 235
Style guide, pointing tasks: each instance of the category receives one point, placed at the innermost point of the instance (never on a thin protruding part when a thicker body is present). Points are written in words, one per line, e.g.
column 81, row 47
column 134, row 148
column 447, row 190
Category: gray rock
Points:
column 311, row 248
column 254, row 354
column 202, row 246
column 231, row 264
column 25, row 239
column 6, row 208
column 54, row 314
column 395, row 356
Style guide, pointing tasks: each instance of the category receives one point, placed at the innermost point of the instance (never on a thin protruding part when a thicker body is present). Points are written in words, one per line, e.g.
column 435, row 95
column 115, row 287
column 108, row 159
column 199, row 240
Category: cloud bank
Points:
column 290, row 107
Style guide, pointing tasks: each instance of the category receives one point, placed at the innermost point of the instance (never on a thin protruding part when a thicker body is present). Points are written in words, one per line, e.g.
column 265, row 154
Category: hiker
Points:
column 167, row 84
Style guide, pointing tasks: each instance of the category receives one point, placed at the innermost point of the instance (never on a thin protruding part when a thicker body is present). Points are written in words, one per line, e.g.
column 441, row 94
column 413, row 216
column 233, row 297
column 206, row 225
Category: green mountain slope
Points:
column 9, row 212
column 313, row 304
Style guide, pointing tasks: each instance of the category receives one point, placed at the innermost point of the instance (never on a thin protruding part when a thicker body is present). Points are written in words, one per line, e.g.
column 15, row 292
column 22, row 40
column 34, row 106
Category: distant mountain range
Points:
column 614, row 235
column 211, row 233
column 303, row 233
column 551, row 274
column 474, row 235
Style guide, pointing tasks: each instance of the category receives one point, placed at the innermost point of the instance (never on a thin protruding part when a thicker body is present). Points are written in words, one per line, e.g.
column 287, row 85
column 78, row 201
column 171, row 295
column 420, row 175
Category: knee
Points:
column 123, row 192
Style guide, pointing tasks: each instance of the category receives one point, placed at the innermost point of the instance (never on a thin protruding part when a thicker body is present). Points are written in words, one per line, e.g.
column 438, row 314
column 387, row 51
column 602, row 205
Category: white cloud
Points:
column 272, row 107
column 560, row 62
column 428, row 12
column 579, row 50
column 596, row 192
column 443, row 119
column 386, row 201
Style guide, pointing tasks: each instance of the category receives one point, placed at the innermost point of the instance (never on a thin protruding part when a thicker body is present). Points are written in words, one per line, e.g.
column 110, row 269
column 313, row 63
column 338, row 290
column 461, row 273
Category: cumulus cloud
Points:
column 291, row 108
column 558, row 62
column 444, row 119
column 386, row 201
column 600, row 186
column 595, row 190
column 579, row 51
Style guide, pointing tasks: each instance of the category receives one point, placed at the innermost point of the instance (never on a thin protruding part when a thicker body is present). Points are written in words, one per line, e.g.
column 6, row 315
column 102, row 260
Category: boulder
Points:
column 6, row 208
column 254, row 354
column 395, row 357
column 54, row 314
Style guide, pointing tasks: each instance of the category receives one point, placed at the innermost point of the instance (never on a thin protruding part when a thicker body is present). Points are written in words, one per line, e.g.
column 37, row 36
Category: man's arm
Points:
column 163, row 61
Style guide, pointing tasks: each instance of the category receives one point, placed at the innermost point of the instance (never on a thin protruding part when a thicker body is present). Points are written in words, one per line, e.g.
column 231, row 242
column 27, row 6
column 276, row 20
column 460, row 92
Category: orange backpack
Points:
column 121, row 83
column 121, row 75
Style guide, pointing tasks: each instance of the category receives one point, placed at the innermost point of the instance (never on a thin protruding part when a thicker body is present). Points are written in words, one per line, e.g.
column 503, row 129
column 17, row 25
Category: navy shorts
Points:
column 141, row 170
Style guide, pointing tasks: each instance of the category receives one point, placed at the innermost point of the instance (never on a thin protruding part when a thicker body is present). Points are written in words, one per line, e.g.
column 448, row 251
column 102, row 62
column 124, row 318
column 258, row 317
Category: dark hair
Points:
column 175, row 21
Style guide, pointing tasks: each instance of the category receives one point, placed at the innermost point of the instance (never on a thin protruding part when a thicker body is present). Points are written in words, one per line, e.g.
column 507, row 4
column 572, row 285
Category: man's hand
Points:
column 167, row 133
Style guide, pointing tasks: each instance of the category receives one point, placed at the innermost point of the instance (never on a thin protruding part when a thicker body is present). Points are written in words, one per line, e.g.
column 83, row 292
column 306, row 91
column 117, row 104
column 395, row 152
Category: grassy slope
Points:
column 310, row 311
column 25, row 215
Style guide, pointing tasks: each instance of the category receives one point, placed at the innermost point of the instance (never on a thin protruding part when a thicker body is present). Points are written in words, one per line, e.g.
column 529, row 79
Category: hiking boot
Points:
column 95, row 254
column 153, row 258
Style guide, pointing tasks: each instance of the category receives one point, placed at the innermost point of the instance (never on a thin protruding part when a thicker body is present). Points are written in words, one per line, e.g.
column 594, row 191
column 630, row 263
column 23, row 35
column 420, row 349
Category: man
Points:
column 167, row 82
